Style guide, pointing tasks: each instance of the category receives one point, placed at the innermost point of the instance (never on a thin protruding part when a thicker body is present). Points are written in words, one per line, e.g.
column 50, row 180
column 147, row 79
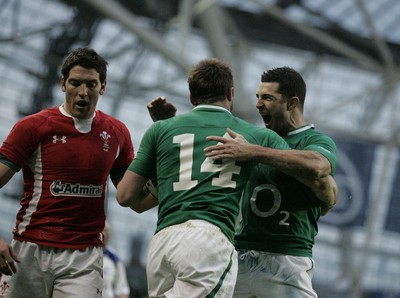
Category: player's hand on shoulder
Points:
column 231, row 146
column 159, row 109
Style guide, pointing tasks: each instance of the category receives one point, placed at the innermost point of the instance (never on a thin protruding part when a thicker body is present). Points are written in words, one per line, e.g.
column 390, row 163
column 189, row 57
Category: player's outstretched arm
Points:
column 132, row 192
column 309, row 167
column 160, row 109
column 303, row 164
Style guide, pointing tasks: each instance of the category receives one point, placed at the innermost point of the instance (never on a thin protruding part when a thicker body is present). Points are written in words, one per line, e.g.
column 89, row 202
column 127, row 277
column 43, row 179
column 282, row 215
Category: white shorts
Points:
column 192, row 259
column 269, row 275
column 48, row 272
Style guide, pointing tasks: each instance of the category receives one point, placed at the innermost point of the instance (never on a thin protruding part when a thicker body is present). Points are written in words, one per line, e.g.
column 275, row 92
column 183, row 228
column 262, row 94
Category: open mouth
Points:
column 267, row 118
column 81, row 103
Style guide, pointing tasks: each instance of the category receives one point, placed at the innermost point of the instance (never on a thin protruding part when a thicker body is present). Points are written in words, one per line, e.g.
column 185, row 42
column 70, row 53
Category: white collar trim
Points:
column 211, row 107
column 301, row 129
column 82, row 125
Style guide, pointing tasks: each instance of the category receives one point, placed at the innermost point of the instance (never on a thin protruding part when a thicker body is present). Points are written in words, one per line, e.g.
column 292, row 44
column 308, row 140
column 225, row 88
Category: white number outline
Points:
column 226, row 168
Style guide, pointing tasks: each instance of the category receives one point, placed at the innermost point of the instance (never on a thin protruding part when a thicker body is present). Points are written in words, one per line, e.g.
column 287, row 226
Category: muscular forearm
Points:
column 303, row 164
column 132, row 192
column 326, row 190
column 146, row 203
column 307, row 166
column 132, row 198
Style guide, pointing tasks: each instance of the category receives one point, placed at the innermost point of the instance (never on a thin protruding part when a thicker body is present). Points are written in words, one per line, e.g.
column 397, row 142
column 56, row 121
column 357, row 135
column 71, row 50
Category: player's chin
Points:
column 83, row 112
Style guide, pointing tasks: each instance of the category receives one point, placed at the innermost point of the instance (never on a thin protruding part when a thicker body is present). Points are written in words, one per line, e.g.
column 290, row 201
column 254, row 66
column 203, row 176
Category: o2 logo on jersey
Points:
column 276, row 197
column 273, row 194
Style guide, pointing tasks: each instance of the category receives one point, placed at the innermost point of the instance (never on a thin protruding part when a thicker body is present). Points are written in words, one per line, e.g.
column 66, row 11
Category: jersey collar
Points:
column 65, row 113
column 83, row 126
column 301, row 129
column 214, row 107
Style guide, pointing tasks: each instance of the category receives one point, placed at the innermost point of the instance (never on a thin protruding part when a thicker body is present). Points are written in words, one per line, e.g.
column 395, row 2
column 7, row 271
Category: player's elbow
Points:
column 138, row 208
column 123, row 199
column 320, row 169
column 126, row 200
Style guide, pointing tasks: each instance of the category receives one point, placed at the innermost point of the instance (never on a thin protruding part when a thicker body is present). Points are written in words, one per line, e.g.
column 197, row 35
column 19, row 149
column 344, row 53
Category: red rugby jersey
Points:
column 65, row 164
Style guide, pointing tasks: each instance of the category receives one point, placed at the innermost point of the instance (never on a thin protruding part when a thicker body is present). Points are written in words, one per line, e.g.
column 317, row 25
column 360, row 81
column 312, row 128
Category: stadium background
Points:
column 347, row 50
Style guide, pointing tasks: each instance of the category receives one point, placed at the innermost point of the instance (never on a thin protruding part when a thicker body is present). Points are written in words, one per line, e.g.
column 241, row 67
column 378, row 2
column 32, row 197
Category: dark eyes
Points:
column 90, row 84
column 263, row 97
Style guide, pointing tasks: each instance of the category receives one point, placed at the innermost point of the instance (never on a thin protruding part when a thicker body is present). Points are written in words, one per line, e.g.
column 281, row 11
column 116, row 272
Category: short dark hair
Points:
column 210, row 81
column 290, row 82
column 87, row 58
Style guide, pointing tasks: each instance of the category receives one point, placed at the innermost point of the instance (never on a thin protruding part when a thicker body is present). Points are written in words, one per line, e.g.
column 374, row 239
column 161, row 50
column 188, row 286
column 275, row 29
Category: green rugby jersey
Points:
column 191, row 186
column 279, row 214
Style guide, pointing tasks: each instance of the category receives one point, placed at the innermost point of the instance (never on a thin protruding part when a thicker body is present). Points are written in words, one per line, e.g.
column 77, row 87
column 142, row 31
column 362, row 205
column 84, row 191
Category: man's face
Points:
column 82, row 89
column 273, row 107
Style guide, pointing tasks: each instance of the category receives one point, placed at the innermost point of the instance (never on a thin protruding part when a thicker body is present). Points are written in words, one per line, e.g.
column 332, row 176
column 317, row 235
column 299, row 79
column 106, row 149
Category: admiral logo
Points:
column 75, row 190
column 62, row 139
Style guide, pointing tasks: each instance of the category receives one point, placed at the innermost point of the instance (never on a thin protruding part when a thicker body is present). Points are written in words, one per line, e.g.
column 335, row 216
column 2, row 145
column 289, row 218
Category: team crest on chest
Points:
column 105, row 137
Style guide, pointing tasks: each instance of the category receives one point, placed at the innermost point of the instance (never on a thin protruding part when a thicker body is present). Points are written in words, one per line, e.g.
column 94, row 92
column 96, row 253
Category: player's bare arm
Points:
column 159, row 109
column 303, row 164
column 326, row 190
column 309, row 167
column 132, row 192
column 6, row 174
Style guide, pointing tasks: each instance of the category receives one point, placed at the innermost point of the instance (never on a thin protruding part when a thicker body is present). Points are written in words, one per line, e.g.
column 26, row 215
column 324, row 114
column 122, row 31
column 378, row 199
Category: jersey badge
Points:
column 105, row 136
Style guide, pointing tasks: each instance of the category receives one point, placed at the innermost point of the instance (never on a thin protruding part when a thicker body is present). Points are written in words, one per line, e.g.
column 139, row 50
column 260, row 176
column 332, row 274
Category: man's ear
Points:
column 231, row 94
column 103, row 88
column 293, row 103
